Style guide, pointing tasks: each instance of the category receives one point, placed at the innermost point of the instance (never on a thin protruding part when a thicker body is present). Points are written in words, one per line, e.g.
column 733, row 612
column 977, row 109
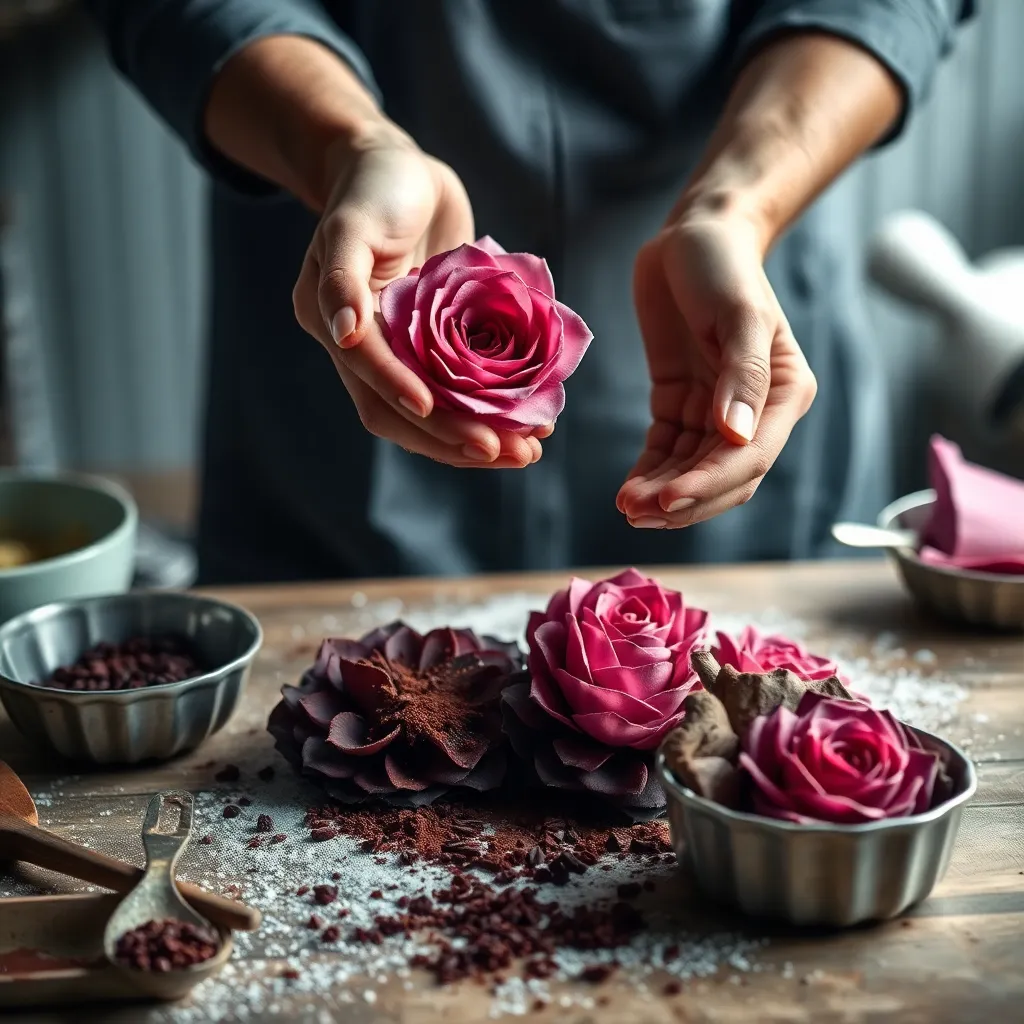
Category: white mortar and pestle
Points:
column 981, row 309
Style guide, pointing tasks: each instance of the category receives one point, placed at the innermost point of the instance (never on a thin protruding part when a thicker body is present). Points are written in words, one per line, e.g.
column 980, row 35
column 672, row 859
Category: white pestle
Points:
column 914, row 258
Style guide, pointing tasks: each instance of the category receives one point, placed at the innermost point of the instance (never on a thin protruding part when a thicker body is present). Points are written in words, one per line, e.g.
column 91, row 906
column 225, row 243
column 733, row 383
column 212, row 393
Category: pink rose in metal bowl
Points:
column 483, row 330
column 835, row 760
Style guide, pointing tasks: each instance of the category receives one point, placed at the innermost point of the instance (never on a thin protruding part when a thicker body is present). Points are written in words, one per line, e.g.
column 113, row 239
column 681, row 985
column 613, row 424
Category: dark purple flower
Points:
column 398, row 715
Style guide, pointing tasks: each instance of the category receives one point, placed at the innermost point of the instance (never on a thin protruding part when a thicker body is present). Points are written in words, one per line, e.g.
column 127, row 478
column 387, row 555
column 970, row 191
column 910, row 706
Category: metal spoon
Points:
column 21, row 838
column 165, row 834
column 860, row 535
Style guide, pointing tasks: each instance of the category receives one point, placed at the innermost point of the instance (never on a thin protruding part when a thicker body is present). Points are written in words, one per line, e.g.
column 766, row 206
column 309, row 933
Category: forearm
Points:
column 801, row 111
column 283, row 107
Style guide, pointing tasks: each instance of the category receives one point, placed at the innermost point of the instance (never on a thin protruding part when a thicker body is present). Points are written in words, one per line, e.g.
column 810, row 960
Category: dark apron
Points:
column 573, row 126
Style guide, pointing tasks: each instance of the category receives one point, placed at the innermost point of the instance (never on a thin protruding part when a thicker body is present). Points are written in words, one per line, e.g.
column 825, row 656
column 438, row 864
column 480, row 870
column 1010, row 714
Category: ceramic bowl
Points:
column 125, row 726
column 99, row 513
column 973, row 598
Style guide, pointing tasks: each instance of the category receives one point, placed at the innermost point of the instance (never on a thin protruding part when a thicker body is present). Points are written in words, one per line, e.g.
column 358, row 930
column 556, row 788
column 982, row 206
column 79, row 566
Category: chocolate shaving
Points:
column 749, row 695
column 702, row 750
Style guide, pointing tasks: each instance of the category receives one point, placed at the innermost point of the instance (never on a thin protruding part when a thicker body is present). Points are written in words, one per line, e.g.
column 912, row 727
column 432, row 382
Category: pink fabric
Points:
column 612, row 659
column 482, row 329
column 977, row 521
column 838, row 761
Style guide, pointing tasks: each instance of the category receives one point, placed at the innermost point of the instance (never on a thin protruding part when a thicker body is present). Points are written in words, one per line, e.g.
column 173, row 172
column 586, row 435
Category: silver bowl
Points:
column 976, row 598
column 125, row 726
column 832, row 875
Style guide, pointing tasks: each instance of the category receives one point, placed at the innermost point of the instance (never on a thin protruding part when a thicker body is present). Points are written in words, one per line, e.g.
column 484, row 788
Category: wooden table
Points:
column 957, row 957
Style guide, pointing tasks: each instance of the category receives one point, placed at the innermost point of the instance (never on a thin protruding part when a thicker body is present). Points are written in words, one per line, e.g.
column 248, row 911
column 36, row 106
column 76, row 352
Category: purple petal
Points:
column 581, row 752
column 322, row 706
column 401, row 775
column 369, row 687
column 320, row 757
column 620, row 777
column 348, row 734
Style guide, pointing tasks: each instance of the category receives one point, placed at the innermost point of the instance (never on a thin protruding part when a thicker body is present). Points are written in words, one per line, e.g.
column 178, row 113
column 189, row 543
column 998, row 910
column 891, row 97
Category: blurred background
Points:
column 102, row 270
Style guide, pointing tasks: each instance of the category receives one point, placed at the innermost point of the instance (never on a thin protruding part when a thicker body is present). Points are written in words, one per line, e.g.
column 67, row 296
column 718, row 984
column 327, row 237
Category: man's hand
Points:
column 292, row 111
column 729, row 381
column 389, row 209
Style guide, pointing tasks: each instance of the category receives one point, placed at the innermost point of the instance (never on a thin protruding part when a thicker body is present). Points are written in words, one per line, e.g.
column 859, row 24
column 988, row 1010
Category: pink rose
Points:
column 837, row 761
column 755, row 652
column 610, row 667
column 482, row 329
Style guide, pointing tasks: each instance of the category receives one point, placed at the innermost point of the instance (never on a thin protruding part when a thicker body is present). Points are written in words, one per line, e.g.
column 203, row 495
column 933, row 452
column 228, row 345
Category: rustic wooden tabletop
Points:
column 957, row 957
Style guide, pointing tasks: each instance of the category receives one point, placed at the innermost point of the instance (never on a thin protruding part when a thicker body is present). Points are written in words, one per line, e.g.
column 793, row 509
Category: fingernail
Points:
column 649, row 523
column 343, row 324
column 477, row 453
column 416, row 408
column 739, row 418
column 680, row 503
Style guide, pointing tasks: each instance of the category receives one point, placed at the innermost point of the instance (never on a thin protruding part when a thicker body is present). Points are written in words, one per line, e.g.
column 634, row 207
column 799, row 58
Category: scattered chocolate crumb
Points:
column 302, row 890
column 290, row 973
column 376, row 895
column 206, row 840
column 229, row 773
column 673, row 988
column 315, row 923
column 264, row 823
column 331, row 934
column 279, row 838
column 335, row 876
column 597, row 973
column 320, row 834
column 324, row 894
column 255, row 843
column 232, row 811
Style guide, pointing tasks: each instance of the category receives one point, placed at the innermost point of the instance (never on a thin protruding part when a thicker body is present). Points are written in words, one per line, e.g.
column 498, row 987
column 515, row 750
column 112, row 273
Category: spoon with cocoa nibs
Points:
column 154, row 937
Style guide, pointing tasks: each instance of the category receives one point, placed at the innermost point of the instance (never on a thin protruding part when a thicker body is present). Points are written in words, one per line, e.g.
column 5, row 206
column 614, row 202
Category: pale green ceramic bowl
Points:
column 39, row 505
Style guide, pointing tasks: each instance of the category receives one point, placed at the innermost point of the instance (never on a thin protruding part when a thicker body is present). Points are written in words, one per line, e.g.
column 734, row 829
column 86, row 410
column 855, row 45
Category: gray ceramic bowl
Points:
column 832, row 875
column 50, row 505
column 975, row 598
column 125, row 726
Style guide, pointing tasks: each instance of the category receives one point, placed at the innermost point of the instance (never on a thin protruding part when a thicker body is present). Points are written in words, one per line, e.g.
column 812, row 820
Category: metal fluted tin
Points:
column 832, row 875
column 977, row 598
column 125, row 726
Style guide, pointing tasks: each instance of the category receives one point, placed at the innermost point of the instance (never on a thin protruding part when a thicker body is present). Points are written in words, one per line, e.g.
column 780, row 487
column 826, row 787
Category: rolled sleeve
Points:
column 172, row 50
column 909, row 37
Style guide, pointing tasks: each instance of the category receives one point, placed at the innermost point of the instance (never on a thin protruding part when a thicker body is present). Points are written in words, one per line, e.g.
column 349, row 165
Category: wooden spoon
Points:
column 21, row 838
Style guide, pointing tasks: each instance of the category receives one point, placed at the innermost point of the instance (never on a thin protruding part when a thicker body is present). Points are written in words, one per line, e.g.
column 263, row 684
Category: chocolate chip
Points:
column 232, row 811
column 264, row 823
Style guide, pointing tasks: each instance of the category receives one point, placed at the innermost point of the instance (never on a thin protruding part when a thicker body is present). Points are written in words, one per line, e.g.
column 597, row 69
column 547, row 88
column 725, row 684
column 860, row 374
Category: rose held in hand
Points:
column 482, row 329
column 610, row 668
column 837, row 761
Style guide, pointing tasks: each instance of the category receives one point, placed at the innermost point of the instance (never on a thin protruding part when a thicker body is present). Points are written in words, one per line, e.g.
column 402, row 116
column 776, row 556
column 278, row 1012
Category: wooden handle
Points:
column 20, row 841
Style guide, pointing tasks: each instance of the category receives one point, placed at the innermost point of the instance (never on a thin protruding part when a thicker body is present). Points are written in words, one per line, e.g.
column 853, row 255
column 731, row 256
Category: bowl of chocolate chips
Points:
column 126, row 678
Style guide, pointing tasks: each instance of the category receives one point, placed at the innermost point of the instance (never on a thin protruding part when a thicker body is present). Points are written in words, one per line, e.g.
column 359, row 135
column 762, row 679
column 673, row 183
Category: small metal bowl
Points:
column 125, row 726
column 832, row 875
column 976, row 598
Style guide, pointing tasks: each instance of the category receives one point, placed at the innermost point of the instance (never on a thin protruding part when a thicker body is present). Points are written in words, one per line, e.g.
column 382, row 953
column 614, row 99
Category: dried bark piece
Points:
column 749, row 695
column 701, row 751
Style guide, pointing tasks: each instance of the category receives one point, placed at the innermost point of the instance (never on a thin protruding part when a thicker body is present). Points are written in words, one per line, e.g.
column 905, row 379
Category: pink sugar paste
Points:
column 977, row 521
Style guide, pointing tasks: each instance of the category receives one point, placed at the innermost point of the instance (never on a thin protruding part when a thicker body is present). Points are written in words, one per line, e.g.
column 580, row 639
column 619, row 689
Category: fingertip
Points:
column 738, row 423
column 343, row 325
